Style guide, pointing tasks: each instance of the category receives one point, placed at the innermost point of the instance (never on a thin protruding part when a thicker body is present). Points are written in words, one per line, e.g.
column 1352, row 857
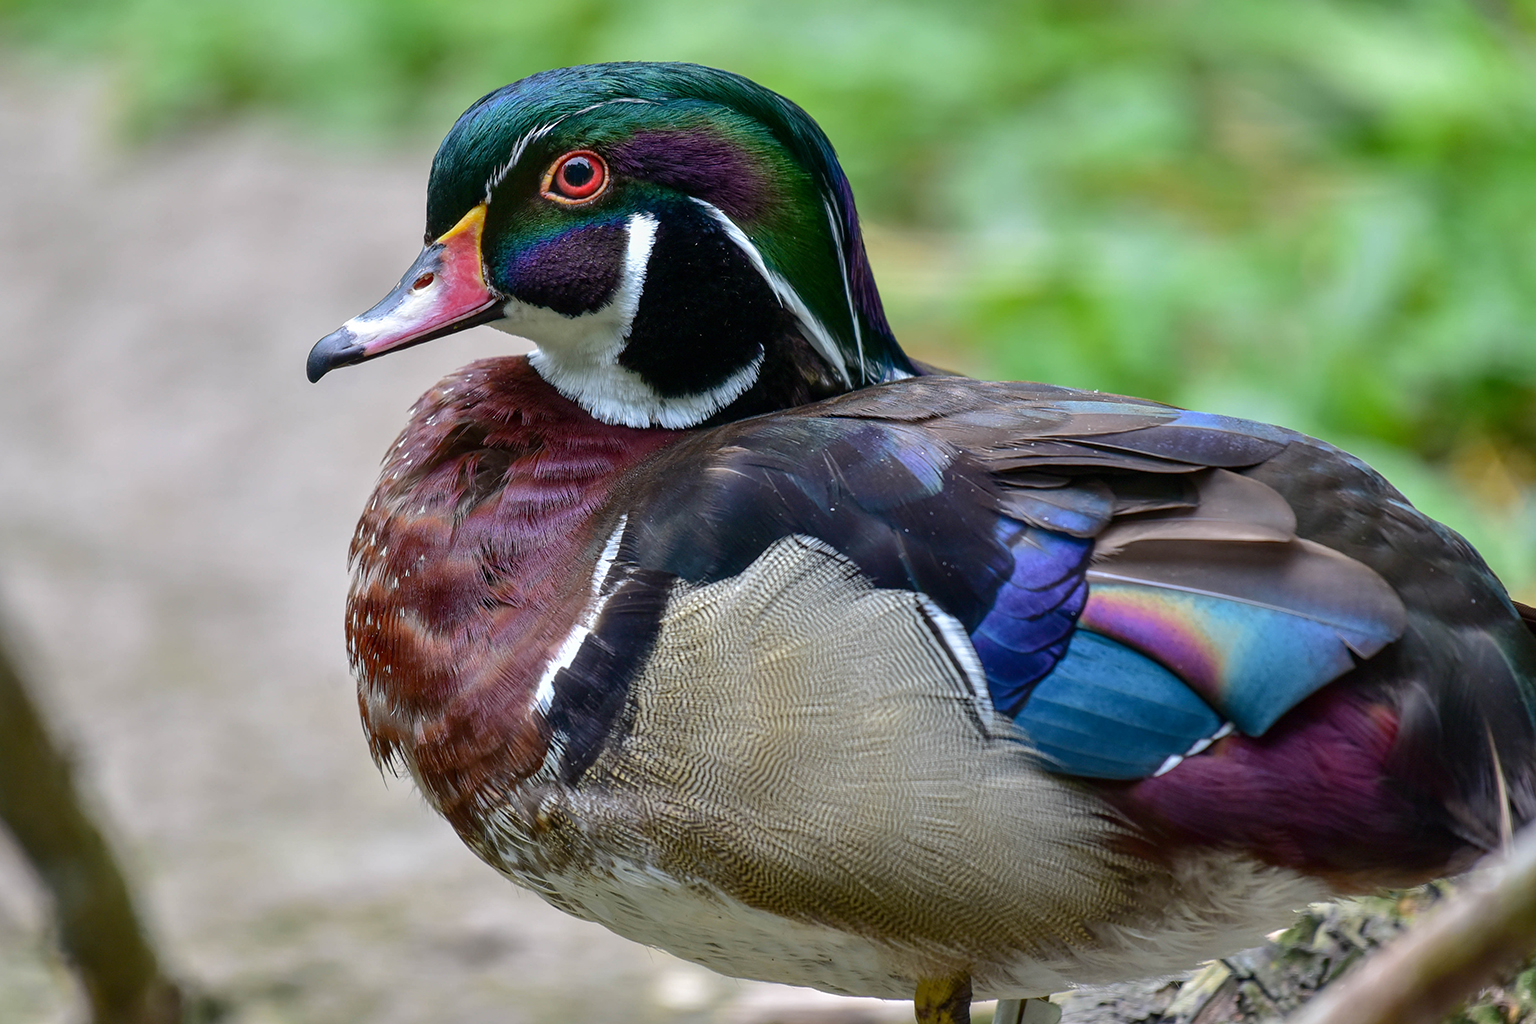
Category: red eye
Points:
column 576, row 177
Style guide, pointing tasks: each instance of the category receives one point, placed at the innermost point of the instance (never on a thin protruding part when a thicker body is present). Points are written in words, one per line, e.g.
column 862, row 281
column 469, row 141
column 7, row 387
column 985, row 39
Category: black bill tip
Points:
column 339, row 348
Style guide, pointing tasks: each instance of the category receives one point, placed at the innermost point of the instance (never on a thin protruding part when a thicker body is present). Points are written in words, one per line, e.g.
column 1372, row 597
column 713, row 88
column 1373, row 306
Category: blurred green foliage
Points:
column 1317, row 212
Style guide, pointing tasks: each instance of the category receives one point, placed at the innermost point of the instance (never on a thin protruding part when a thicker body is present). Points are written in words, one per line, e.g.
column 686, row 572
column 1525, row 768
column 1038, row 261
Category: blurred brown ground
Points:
column 175, row 506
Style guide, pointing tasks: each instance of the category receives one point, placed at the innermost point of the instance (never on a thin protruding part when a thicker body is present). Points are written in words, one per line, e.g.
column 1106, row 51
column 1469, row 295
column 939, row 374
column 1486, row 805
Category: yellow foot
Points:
column 943, row 1000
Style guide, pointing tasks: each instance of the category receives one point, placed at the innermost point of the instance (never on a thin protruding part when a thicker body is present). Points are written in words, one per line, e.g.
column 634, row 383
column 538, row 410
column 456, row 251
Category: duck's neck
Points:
column 470, row 567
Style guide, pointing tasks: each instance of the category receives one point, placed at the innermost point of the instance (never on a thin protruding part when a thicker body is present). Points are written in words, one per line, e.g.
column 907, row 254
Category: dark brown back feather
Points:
column 1527, row 615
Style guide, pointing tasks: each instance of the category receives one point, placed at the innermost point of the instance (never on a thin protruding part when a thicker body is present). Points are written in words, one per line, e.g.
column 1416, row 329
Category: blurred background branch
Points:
column 1453, row 953
column 97, row 924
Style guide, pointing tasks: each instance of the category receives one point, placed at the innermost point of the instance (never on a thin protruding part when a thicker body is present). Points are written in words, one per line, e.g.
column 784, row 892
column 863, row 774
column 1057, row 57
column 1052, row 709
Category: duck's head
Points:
column 679, row 243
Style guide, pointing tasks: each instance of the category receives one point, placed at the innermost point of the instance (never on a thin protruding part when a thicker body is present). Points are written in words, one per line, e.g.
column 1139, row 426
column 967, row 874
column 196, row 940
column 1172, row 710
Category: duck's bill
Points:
column 443, row 292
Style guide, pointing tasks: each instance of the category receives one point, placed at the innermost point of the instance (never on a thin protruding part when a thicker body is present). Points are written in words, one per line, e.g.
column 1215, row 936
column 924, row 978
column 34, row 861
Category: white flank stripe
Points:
column 960, row 648
column 610, row 553
column 544, row 694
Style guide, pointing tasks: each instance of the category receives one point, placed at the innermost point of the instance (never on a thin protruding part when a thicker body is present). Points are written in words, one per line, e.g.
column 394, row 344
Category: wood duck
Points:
column 720, row 621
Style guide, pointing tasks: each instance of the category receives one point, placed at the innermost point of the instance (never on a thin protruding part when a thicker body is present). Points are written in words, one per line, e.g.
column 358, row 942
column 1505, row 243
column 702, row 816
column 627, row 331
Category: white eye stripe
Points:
column 842, row 268
column 816, row 332
column 518, row 148
column 521, row 145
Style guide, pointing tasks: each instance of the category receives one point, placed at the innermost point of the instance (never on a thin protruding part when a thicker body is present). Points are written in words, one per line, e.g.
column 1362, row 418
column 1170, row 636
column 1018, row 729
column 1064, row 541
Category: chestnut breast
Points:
column 471, row 565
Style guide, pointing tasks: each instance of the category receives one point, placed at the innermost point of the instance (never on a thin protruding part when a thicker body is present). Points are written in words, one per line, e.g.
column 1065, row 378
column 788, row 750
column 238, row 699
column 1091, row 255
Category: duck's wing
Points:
column 1032, row 516
column 1133, row 582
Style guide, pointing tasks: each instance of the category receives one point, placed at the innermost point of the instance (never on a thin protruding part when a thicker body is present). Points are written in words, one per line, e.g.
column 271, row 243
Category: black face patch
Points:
column 573, row 273
column 704, row 313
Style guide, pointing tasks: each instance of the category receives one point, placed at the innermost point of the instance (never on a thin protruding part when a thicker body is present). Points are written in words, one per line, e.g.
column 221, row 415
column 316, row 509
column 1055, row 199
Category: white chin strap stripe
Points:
column 579, row 355
column 527, row 138
column 815, row 331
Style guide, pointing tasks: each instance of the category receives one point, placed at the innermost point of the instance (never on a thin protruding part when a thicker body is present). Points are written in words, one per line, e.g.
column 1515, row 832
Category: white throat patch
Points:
column 579, row 355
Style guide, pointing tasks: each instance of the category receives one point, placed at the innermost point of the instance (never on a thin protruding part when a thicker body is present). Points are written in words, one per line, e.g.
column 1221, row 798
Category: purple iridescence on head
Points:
column 702, row 164
column 575, row 272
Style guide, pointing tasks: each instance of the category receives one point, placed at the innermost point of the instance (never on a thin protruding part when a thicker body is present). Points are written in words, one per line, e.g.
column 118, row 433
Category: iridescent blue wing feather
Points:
column 1107, row 712
column 1132, row 578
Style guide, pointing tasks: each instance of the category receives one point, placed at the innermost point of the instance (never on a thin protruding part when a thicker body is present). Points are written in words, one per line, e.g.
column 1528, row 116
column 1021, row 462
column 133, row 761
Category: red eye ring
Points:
column 577, row 177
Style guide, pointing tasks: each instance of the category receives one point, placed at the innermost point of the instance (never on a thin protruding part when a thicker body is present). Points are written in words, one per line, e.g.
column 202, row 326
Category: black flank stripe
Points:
column 590, row 692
